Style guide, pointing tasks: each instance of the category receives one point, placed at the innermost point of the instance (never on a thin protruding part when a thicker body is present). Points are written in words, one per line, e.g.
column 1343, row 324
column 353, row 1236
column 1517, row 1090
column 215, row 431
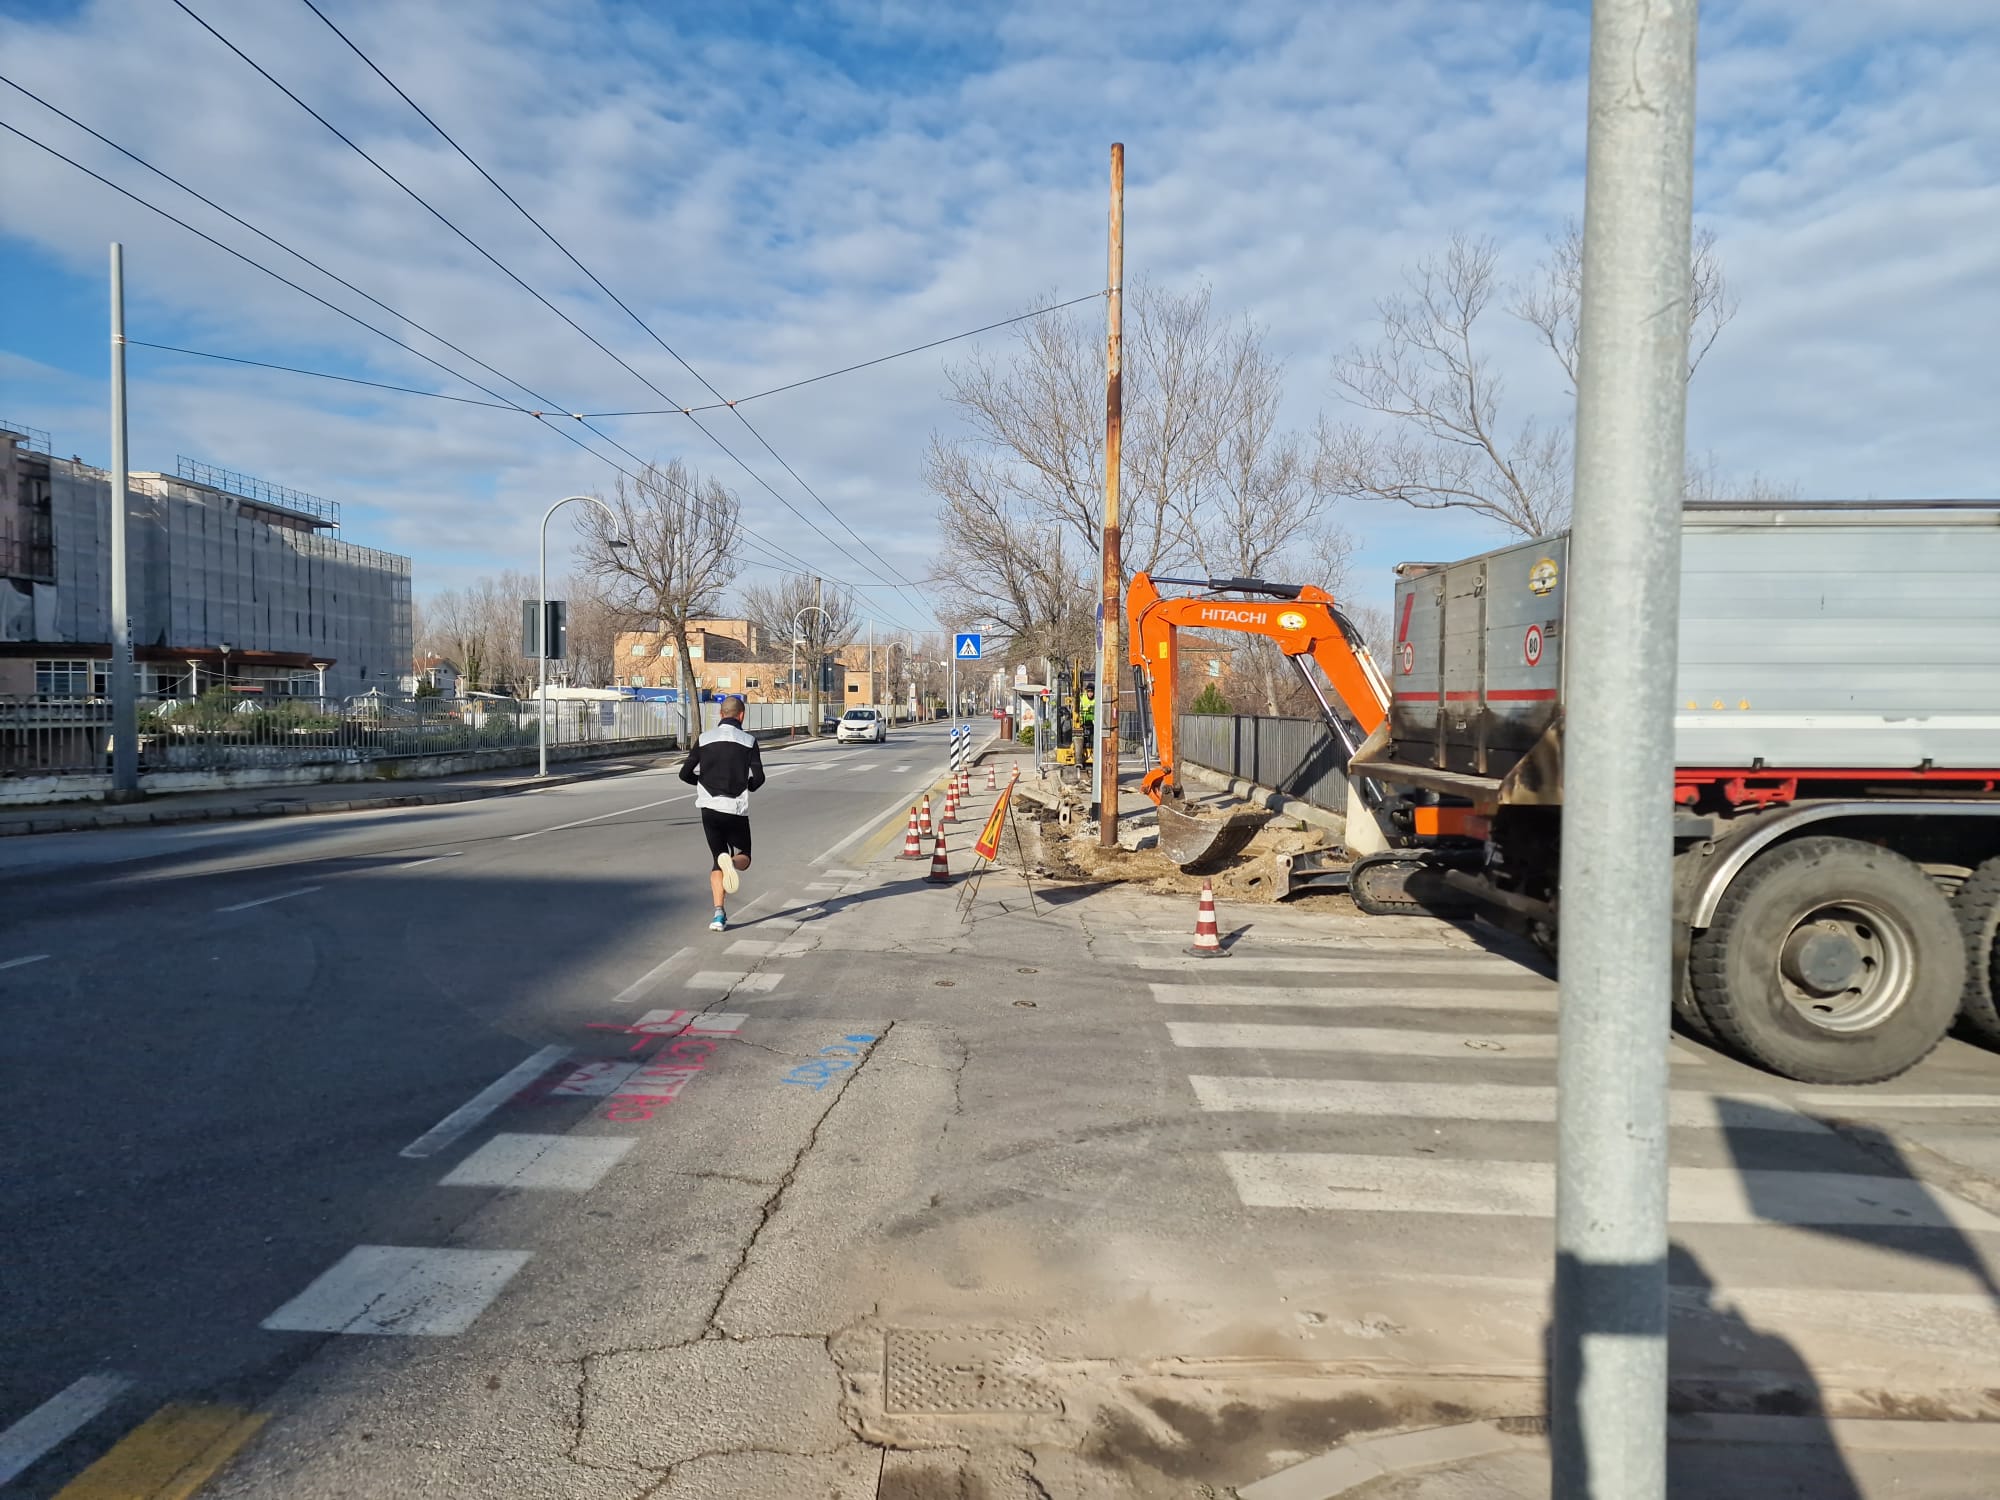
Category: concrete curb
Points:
column 1277, row 802
column 157, row 817
column 1346, row 1469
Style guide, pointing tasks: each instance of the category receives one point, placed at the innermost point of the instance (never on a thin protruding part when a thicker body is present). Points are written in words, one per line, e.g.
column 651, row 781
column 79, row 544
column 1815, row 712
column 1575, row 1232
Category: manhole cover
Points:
column 1026, row 1004
column 944, row 984
column 963, row 1370
column 1027, row 971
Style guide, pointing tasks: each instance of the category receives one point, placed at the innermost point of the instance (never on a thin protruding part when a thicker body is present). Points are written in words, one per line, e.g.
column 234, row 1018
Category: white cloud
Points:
column 775, row 211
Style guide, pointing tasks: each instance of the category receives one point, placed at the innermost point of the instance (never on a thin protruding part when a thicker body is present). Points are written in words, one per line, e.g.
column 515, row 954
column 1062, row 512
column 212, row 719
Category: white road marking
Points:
column 21, row 963
column 400, row 1290
column 430, row 859
column 900, row 771
column 826, row 885
column 1358, row 946
column 564, row 1163
column 1336, row 965
column 1847, row 1099
column 1527, row 1103
column 304, row 890
column 692, row 1022
column 895, row 809
column 621, row 813
column 1372, row 1041
column 767, row 948
column 56, row 1420
column 1532, row 1002
column 845, row 874
column 754, row 902
column 733, row 979
column 1527, row 1189
column 637, row 988
column 483, row 1103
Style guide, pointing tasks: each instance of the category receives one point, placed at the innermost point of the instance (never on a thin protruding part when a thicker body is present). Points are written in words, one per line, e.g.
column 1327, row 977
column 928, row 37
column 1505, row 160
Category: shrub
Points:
column 1211, row 701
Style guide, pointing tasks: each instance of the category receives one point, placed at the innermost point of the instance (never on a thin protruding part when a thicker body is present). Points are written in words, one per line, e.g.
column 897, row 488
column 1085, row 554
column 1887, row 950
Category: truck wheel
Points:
column 1830, row 961
column 1978, row 909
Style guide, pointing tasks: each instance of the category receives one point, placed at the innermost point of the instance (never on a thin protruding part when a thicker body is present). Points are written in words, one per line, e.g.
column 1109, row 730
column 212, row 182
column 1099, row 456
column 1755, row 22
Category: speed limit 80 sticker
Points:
column 1531, row 646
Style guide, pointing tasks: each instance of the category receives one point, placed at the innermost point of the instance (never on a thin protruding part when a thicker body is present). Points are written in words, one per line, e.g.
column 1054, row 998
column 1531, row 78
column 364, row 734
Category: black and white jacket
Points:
column 724, row 768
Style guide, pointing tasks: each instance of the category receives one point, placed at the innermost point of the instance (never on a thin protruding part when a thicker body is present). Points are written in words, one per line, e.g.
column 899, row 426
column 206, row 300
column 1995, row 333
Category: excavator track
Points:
column 1407, row 883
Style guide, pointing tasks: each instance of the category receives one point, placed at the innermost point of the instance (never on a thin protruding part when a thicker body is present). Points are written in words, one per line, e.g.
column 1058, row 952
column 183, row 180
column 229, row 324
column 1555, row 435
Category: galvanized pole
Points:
column 1609, row 1363
column 542, row 652
column 1106, row 748
column 124, row 691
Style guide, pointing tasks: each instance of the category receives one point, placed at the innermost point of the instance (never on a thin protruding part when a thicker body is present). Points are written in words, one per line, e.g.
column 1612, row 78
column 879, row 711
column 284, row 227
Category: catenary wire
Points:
column 798, row 565
column 883, row 359
column 418, row 198
column 623, row 305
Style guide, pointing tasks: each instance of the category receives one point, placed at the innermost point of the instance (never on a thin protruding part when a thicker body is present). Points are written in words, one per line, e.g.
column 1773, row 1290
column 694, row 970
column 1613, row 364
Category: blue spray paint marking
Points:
column 817, row 1071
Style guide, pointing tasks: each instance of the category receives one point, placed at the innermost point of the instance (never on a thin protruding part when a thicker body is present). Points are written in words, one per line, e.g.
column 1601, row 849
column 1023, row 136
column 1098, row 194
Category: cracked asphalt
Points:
column 884, row 1192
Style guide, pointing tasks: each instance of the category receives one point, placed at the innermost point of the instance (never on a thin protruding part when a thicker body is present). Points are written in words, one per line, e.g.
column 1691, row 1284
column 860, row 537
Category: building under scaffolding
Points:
column 234, row 582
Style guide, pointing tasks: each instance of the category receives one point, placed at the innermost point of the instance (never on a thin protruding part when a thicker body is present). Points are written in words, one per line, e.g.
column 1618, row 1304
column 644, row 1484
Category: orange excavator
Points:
column 1401, row 839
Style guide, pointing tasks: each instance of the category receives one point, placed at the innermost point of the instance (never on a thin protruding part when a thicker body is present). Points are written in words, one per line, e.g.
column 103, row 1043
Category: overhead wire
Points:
column 883, row 359
column 650, row 332
column 793, row 564
column 419, row 199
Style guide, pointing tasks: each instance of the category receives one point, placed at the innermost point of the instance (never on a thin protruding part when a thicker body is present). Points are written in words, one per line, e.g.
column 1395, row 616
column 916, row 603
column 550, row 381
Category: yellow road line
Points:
column 169, row 1456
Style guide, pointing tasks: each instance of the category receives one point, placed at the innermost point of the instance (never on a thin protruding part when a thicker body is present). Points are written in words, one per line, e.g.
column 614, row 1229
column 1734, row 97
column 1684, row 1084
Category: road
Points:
column 444, row 1152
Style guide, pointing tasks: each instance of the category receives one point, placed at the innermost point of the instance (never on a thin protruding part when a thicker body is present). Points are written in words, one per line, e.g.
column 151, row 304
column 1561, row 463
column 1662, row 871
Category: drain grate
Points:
column 969, row 1370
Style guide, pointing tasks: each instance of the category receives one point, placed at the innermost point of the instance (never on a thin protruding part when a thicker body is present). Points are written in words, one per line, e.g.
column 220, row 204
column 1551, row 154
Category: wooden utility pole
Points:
column 1114, row 579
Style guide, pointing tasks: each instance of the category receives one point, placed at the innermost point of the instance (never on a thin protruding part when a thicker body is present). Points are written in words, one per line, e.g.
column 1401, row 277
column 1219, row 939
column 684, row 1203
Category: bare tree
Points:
column 680, row 537
column 791, row 610
column 1021, row 497
column 1442, row 441
column 1706, row 481
column 594, row 626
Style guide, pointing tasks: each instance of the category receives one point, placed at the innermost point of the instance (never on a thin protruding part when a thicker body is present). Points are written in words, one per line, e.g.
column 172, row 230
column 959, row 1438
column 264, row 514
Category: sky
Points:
column 783, row 190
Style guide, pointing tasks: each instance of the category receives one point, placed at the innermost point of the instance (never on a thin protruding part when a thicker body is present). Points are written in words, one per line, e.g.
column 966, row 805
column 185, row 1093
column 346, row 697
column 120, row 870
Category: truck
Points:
column 1836, row 792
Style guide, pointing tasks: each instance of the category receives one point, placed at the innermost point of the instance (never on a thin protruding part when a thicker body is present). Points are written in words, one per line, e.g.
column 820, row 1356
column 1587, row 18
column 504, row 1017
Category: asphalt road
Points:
column 444, row 1153
column 219, row 1038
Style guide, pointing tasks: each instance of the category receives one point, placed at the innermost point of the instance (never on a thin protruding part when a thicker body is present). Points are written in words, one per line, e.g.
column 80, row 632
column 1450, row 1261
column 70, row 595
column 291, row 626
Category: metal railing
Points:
column 228, row 732
column 1299, row 757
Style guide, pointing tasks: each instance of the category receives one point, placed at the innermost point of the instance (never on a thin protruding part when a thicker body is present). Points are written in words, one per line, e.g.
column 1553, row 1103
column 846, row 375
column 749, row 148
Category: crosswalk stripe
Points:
column 1527, row 1103
column 1527, row 1189
column 1325, row 997
column 1851, row 1099
column 1332, row 944
column 1378, row 1041
column 1426, row 961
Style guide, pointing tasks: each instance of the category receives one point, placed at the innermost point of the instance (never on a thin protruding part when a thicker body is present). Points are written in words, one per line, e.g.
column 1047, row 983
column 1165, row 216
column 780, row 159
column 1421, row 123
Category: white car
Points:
column 862, row 725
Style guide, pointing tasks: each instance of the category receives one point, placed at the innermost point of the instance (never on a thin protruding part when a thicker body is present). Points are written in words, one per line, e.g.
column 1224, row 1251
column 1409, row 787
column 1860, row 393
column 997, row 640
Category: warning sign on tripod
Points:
column 988, row 844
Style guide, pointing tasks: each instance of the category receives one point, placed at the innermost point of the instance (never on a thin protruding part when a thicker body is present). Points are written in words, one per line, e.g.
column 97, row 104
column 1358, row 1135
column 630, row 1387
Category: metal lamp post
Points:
column 810, row 609
column 542, row 630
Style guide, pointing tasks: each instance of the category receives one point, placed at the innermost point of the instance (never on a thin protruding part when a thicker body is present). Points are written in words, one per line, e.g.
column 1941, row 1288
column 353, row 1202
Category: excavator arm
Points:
column 1303, row 620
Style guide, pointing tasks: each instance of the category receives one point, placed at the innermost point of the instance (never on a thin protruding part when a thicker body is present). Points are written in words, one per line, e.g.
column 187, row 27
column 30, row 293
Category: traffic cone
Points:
column 992, row 781
column 951, row 804
column 940, row 867
column 1207, row 940
column 913, row 847
column 924, row 826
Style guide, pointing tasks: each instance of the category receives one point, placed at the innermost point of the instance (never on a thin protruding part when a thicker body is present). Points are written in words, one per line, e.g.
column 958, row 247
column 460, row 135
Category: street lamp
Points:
column 223, row 647
column 810, row 609
column 542, row 629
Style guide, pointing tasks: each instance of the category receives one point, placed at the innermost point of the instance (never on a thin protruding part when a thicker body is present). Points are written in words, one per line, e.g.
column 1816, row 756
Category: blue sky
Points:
column 784, row 189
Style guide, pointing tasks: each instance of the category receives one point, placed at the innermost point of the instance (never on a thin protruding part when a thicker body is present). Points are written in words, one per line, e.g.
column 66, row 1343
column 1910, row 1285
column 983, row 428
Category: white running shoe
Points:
column 732, row 878
column 719, row 922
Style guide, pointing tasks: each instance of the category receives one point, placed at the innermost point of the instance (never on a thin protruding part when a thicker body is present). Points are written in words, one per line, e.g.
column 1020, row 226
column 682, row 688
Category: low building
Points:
column 432, row 676
column 735, row 656
column 234, row 583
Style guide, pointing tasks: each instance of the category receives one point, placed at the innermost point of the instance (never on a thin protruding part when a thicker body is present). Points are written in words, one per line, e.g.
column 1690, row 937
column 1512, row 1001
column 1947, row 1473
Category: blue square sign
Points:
column 968, row 647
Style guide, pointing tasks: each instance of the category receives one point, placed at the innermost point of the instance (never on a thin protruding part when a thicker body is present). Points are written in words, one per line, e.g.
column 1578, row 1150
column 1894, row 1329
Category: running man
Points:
column 724, row 768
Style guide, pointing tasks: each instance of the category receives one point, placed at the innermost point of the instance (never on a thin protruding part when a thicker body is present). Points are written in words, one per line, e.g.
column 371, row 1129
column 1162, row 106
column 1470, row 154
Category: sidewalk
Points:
column 302, row 801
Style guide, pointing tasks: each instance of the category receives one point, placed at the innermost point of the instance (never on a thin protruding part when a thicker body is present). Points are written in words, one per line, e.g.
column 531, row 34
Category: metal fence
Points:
column 1299, row 757
column 217, row 732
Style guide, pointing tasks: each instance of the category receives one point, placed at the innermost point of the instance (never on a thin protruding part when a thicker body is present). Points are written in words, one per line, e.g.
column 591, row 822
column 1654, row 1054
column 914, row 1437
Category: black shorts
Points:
column 728, row 833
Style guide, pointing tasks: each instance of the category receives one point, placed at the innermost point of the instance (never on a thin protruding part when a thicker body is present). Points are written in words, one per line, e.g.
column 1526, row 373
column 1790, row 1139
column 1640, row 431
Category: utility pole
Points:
column 1608, row 1386
column 818, row 639
column 124, row 691
column 1106, row 748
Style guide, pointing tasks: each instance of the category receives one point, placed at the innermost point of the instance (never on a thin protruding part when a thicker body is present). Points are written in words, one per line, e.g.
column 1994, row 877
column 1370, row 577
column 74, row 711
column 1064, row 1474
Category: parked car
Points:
column 862, row 726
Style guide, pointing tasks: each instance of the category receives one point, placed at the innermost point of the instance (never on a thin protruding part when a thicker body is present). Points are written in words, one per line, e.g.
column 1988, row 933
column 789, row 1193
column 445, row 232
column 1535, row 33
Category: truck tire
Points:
column 1978, row 910
column 1830, row 961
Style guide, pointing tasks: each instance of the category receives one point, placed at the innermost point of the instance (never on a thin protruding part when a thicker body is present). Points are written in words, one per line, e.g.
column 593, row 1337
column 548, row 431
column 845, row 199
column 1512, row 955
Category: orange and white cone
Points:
column 951, row 804
column 1207, row 939
column 992, row 781
column 913, row 846
column 940, row 867
column 924, row 824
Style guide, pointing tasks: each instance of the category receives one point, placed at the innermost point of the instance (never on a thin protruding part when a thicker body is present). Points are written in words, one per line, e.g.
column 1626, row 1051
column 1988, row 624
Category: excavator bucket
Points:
column 1190, row 838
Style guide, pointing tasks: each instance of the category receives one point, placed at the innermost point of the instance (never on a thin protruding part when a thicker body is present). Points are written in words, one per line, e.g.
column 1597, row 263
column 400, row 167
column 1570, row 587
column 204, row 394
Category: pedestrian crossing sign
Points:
column 968, row 647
